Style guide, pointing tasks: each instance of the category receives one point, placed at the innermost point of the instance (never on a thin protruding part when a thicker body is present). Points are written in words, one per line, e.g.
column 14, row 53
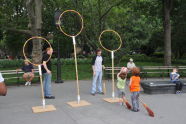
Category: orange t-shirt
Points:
column 135, row 84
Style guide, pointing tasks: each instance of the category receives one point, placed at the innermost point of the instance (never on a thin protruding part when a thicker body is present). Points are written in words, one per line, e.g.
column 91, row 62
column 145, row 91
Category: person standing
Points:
column 47, row 74
column 134, row 86
column 97, row 67
column 121, row 82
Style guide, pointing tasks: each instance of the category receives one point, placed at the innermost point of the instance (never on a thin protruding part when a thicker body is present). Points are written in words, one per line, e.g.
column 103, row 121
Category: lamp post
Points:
column 58, row 65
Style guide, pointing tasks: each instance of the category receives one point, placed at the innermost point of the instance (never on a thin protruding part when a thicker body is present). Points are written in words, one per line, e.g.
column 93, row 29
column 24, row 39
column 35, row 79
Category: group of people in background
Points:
column 28, row 75
column 97, row 67
column 134, row 83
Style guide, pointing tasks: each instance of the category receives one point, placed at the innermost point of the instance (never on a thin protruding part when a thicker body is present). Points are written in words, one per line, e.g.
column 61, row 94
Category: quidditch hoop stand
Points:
column 79, row 101
column 113, row 99
column 44, row 107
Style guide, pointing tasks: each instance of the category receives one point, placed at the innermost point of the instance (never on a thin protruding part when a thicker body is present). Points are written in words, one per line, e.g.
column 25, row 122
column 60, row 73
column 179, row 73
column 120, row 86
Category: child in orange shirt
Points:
column 134, row 86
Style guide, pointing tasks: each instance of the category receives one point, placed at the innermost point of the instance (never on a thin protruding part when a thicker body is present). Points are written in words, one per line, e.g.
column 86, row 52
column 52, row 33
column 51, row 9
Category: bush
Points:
column 70, row 61
column 18, row 63
column 158, row 54
column 141, row 58
column 10, row 63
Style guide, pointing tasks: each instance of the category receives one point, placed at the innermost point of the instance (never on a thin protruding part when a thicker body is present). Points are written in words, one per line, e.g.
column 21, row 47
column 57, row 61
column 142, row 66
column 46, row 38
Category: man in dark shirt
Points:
column 28, row 72
column 46, row 70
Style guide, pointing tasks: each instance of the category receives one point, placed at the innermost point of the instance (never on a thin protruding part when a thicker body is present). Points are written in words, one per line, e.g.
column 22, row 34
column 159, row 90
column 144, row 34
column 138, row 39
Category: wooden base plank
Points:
column 112, row 100
column 81, row 103
column 39, row 109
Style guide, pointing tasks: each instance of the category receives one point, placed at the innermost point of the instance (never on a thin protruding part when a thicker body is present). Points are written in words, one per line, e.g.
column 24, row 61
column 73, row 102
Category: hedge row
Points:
column 125, row 58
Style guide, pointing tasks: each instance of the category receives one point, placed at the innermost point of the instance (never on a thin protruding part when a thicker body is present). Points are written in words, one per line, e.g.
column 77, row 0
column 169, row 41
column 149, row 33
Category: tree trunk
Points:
column 34, row 9
column 99, row 17
column 167, row 5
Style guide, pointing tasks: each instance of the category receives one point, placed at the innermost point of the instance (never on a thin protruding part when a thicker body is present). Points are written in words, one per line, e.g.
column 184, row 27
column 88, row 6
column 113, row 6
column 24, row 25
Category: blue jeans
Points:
column 121, row 93
column 97, row 77
column 135, row 100
column 47, row 84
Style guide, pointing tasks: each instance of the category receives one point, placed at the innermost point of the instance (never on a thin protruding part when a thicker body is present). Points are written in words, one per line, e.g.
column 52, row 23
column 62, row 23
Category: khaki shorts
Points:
column 29, row 74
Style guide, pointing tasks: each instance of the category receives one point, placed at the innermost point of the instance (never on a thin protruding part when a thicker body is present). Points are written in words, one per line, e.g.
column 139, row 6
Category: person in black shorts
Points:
column 28, row 75
column 47, row 75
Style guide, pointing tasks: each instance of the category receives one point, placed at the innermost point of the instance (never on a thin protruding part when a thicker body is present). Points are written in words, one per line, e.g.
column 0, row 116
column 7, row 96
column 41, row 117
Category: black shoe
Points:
column 102, row 93
column 49, row 97
column 135, row 110
column 93, row 94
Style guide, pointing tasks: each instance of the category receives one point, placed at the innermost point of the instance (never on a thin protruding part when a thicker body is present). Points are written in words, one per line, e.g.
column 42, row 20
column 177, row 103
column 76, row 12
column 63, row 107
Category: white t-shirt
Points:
column 98, row 63
column 1, row 78
column 130, row 65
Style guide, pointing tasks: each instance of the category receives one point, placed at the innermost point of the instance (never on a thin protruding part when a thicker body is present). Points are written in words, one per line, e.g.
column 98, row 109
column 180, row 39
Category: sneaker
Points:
column 29, row 83
column 121, row 103
column 93, row 94
column 49, row 97
column 177, row 92
column 102, row 93
column 26, row 83
column 135, row 110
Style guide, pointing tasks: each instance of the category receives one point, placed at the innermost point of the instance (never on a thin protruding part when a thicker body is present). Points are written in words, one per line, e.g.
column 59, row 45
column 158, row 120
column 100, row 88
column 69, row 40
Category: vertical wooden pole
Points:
column 113, row 84
column 77, row 80
column 42, row 90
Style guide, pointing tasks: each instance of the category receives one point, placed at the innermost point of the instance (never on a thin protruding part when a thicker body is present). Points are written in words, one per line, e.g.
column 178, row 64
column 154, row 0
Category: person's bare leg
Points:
column 31, row 77
column 25, row 77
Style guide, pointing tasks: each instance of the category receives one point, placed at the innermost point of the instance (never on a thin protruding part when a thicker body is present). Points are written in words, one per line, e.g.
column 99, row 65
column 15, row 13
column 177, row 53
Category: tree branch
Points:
column 27, row 32
column 117, row 4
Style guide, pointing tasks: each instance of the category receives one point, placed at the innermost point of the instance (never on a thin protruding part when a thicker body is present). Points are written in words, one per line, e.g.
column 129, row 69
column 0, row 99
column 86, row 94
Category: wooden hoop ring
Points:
column 114, row 33
column 35, row 37
column 80, row 18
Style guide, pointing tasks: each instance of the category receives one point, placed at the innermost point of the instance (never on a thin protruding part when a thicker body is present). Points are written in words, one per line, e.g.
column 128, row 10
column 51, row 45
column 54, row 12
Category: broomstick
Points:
column 150, row 112
column 104, row 84
column 126, row 102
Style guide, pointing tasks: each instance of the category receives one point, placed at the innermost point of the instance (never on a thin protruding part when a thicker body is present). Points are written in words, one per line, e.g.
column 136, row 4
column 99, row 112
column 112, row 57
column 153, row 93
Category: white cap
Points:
column 131, row 60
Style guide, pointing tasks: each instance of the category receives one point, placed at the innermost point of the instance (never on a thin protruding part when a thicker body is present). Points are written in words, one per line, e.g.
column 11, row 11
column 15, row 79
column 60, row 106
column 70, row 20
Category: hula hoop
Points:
column 114, row 33
column 35, row 37
column 73, row 11
column 74, row 44
column 112, row 56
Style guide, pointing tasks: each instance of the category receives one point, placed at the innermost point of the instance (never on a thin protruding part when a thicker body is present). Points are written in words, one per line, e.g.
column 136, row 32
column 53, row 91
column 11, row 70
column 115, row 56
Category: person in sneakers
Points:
column 174, row 77
column 134, row 86
column 121, row 82
column 97, row 67
column 47, row 74
column 28, row 70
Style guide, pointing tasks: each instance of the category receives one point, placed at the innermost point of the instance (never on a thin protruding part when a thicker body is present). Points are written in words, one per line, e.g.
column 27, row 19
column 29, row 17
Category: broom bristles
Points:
column 150, row 112
column 127, row 103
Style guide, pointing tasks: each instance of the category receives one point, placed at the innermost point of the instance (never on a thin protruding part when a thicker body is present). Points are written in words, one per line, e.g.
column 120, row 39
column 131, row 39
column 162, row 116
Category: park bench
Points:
column 14, row 74
column 147, row 70
column 108, row 72
column 164, row 71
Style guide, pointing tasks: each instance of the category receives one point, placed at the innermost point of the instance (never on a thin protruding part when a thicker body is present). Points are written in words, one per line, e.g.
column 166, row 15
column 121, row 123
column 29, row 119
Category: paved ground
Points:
column 15, row 108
